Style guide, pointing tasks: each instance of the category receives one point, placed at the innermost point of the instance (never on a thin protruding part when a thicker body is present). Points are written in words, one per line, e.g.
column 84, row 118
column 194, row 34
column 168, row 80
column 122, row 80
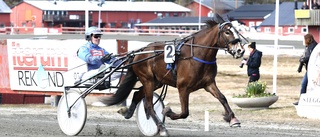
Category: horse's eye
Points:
column 227, row 32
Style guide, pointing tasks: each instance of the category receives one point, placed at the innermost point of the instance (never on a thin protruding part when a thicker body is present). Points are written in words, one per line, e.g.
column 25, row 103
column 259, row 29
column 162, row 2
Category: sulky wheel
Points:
column 71, row 123
column 147, row 126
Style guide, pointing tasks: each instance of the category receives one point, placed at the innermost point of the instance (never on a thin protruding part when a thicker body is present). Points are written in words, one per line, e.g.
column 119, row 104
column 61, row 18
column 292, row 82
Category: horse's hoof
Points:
column 235, row 125
column 166, row 110
column 130, row 111
column 129, row 114
column 164, row 133
column 235, row 122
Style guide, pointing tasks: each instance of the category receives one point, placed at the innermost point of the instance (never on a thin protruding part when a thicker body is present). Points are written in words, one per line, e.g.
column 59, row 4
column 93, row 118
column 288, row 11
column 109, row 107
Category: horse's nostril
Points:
column 239, row 50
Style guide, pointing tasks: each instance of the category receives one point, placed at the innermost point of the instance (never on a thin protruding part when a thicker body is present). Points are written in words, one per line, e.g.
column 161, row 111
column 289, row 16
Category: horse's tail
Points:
column 124, row 89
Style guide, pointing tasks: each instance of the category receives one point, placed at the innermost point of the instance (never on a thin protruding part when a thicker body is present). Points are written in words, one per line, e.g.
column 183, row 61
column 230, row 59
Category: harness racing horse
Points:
column 195, row 68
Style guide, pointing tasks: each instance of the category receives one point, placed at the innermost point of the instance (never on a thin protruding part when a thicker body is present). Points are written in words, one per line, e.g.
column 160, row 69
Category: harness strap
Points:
column 203, row 61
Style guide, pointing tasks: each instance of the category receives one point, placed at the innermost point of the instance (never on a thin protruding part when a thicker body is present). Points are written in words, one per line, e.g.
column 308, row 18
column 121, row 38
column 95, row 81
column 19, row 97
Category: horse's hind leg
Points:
column 137, row 96
column 229, row 115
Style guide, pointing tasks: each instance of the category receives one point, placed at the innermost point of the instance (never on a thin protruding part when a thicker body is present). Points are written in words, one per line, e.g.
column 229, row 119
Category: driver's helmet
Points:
column 91, row 31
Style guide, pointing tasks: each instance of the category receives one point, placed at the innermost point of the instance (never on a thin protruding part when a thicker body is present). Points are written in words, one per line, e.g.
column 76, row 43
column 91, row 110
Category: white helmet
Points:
column 91, row 31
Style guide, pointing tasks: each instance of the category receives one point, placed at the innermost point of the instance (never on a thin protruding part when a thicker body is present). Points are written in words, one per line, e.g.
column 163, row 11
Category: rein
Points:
column 157, row 53
column 164, row 88
column 226, row 48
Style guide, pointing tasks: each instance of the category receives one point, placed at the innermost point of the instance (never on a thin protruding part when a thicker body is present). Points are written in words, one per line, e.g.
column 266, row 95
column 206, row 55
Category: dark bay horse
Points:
column 195, row 68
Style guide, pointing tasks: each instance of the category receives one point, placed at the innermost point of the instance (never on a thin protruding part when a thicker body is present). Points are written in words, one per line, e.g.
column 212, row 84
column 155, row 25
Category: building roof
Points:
column 221, row 4
column 4, row 8
column 176, row 21
column 109, row 6
column 286, row 16
column 258, row 11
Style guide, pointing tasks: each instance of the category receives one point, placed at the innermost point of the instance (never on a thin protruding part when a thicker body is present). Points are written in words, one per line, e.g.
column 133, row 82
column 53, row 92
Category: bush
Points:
column 255, row 89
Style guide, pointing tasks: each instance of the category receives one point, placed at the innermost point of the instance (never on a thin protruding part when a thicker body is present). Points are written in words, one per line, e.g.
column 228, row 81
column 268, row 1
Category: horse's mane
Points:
column 211, row 23
column 216, row 19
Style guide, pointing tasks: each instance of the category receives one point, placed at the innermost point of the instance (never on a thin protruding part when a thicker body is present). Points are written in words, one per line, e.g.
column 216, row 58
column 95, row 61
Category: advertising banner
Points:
column 46, row 65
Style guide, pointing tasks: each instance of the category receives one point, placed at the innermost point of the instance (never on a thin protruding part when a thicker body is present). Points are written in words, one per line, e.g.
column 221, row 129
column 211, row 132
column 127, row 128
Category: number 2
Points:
column 169, row 54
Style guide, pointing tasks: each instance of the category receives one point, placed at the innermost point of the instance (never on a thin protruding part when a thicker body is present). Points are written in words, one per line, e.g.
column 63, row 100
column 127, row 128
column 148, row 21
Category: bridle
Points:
column 221, row 29
column 181, row 42
column 226, row 48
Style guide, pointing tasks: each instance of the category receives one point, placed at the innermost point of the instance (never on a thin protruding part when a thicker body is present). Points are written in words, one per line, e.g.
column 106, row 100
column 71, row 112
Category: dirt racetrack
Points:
column 279, row 120
column 232, row 80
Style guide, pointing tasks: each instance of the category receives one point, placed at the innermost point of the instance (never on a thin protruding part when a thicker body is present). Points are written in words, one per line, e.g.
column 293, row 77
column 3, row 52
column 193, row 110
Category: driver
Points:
column 95, row 56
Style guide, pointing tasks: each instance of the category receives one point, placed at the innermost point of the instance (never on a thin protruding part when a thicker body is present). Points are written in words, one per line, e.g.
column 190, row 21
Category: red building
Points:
column 113, row 14
column 252, row 15
column 293, row 21
column 4, row 15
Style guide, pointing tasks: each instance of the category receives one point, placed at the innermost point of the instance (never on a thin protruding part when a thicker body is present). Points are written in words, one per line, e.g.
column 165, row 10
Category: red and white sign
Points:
column 40, row 65
column 49, row 65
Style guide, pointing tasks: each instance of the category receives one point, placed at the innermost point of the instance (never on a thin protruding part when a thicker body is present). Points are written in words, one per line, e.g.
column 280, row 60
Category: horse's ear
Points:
column 215, row 18
column 218, row 18
column 227, row 19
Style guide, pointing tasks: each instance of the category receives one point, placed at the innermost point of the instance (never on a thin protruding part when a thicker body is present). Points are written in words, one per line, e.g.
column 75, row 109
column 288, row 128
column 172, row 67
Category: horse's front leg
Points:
column 228, row 115
column 184, row 100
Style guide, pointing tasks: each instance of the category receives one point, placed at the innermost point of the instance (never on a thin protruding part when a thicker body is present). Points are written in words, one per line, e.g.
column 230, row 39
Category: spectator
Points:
column 315, row 4
column 310, row 44
column 253, row 62
column 305, row 6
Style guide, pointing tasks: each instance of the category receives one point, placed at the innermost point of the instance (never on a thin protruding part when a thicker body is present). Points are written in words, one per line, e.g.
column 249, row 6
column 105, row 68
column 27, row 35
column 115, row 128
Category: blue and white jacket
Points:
column 92, row 54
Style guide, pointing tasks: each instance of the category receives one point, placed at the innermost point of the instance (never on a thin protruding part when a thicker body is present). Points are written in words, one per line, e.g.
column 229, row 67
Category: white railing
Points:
column 73, row 30
column 142, row 32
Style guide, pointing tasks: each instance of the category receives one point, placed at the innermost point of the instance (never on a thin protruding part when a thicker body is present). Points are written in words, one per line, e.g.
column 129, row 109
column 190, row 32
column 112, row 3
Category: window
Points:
column 167, row 14
column 23, row 24
column 33, row 24
column 251, row 24
column 113, row 24
column 175, row 14
column 124, row 25
column 304, row 30
column 290, row 30
column 74, row 17
column 267, row 29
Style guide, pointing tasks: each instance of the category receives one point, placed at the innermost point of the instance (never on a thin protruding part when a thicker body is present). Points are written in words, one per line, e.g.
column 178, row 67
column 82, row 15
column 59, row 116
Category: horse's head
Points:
column 229, row 38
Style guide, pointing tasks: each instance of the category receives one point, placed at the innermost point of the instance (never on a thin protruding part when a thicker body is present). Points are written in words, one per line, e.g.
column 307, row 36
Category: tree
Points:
column 11, row 3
